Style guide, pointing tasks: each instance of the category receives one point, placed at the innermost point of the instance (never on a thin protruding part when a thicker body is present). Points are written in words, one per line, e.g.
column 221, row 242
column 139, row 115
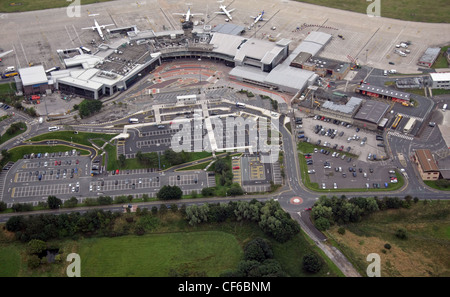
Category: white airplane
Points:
column 258, row 18
column 224, row 11
column 188, row 15
column 98, row 28
column 4, row 54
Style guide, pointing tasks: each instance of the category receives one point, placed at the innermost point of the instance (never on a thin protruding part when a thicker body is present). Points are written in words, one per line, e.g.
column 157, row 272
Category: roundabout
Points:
column 296, row 200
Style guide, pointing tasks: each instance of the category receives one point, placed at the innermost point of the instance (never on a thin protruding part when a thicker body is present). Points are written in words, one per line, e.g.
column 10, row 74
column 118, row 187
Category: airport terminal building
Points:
column 116, row 66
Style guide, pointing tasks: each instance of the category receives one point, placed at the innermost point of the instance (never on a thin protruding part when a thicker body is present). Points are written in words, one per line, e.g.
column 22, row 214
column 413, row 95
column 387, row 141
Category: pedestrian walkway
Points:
column 400, row 135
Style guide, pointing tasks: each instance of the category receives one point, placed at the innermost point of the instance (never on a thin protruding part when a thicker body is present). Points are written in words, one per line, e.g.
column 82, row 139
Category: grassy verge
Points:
column 441, row 61
column 413, row 10
column 432, row 184
column 424, row 251
column 29, row 5
column 6, row 136
column 70, row 136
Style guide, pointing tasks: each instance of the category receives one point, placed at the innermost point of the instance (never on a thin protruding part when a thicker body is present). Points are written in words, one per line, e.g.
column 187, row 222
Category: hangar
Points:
column 34, row 80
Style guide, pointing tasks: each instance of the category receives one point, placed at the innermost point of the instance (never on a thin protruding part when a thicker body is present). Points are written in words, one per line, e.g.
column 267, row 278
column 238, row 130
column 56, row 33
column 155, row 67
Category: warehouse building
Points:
column 429, row 57
column 34, row 80
column 371, row 115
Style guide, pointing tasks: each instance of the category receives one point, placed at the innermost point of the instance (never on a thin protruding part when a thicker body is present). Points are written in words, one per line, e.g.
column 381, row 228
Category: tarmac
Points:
column 35, row 36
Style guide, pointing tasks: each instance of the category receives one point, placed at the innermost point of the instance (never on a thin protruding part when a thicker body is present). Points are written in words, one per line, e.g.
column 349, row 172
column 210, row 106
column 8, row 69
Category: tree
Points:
column 89, row 107
column 122, row 160
column 258, row 250
column 16, row 223
column 53, row 202
column 3, row 206
column 312, row 263
column 168, row 192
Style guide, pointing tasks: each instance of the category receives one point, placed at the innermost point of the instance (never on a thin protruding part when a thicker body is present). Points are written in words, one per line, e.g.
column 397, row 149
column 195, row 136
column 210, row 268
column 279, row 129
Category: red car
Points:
column 236, row 167
column 77, row 161
column 56, row 163
column 117, row 171
column 308, row 157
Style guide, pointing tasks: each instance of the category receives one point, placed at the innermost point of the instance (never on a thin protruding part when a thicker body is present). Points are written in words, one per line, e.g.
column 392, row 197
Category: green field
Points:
column 174, row 246
column 28, row 5
column 211, row 252
column 432, row 11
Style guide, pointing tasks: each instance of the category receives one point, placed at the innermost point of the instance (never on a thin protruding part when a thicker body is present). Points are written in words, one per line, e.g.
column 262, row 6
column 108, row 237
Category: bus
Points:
column 241, row 105
column 10, row 74
column 85, row 50
column 397, row 121
column 409, row 125
column 134, row 120
column 48, row 71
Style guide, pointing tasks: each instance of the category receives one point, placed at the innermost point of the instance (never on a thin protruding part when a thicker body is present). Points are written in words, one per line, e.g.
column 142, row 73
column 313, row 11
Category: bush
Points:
column 387, row 246
column 401, row 233
column 341, row 230
column 312, row 263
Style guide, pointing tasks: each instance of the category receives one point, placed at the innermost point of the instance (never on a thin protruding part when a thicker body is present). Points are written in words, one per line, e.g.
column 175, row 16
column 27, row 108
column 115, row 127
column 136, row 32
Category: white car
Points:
column 335, row 185
column 323, row 186
column 90, row 188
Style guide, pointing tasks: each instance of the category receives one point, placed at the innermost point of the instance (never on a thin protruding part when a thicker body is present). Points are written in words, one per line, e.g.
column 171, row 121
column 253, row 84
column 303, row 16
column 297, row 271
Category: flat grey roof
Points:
column 284, row 75
column 372, row 111
column 349, row 108
column 430, row 55
column 33, row 75
column 228, row 28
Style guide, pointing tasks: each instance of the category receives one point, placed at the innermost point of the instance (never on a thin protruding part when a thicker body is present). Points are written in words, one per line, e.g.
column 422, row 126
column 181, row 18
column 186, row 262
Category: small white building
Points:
column 440, row 80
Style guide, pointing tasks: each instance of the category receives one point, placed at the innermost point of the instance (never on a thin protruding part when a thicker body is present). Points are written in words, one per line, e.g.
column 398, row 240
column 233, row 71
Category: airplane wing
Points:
column 231, row 10
column 5, row 53
column 176, row 13
column 107, row 25
column 193, row 14
column 88, row 28
column 220, row 12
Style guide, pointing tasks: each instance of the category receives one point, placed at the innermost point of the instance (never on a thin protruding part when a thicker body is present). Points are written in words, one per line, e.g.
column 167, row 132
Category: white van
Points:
column 444, row 107
column 53, row 128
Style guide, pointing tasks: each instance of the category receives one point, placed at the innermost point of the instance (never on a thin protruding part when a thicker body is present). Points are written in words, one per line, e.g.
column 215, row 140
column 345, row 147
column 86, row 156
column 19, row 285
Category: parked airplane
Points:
column 224, row 11
column 258, row 18
column 98, row 27
column 188, row 15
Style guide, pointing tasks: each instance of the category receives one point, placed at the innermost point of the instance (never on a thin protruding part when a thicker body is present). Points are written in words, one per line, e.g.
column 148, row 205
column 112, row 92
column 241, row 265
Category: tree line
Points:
column 341, row 210
column 269, row 216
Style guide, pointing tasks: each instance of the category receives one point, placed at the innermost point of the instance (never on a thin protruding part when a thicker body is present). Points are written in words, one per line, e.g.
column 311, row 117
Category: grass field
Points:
column 28, row 5
column 432, row 11
column 211, row 252
column 425, row 252
column 207, row 249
